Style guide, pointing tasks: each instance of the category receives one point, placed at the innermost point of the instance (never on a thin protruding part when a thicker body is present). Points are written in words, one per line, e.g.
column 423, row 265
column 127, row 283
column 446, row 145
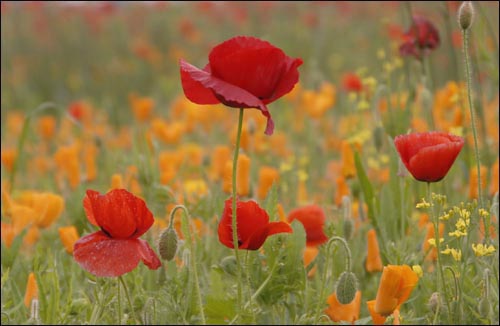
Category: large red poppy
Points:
column 252, row 223
column 429, row 155
column 313, row 219
column 421, row 37
column 242, row 72
column 116, row 249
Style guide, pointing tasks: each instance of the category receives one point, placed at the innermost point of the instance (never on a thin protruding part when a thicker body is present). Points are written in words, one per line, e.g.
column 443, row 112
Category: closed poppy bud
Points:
column 167, row 244
column 428, row 156
column 347, row 286
column 242, row 72
column 465, row 15
column 229, row 265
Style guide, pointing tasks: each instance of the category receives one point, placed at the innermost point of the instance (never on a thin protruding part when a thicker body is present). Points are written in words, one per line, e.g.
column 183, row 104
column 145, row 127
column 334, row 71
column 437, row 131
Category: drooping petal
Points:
column 257, row 239
column 228, row 94
column 104, row 256
column 313, row 219
column 121, row 214
column 194, row 90
column 148, row 256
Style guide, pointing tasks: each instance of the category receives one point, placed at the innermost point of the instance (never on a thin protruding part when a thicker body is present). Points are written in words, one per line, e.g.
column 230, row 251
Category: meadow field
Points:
column 357, row 144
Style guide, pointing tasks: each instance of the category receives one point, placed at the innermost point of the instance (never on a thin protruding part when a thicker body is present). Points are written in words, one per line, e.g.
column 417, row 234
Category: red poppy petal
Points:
column 289, row 78
column 194, row 90
column 236, row 44
column 257, row 239
column 225, row 230
column 257, row 71
column 431, row 164
column 148, row 256
column 104, row 256
column 228, row 94
column 251, row 217
column 87, row 206
column 279, row 227
column 121, row 214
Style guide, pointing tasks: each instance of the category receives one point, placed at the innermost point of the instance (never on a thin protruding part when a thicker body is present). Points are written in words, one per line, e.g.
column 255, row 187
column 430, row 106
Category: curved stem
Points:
column 120, row 278
column 455, row 279
column 192, row 259
column 465, row 37
column 234, row 209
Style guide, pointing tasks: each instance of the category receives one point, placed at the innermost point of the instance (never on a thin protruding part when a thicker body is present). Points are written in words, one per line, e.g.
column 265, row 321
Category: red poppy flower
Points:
column 429, row 155
column 242, row 72
column 116, row 249
column 253, row 225
column 421, row 37
column 352, row 83
column 313, row 219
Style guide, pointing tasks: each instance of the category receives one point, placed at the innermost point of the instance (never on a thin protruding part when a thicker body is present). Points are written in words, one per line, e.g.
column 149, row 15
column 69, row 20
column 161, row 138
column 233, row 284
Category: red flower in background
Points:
column 242, row 72
column 429, row 155
column 313, row 219
column 352, row 83
column 421, row 37
column 116, row 249
column 253, row 225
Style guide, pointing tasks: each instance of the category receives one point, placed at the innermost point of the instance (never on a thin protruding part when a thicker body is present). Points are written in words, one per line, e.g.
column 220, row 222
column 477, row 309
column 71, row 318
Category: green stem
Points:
column 192, row 259
column 120, row 278
column 437, row 238
column 249, row 285
column 465, row 37
column 119, row 303
column 234, row 210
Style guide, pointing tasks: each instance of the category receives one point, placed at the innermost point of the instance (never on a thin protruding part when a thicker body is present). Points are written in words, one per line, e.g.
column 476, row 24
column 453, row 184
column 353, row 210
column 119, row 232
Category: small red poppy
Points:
column 421, row 37
column 352, row 83
column 242, row 72
column 116, row 249
column 313, row 219
column 429, row 155
column 252, row 223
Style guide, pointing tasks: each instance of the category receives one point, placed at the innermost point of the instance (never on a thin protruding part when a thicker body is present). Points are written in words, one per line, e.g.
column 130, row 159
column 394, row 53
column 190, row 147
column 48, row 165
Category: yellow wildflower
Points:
column 482, row 250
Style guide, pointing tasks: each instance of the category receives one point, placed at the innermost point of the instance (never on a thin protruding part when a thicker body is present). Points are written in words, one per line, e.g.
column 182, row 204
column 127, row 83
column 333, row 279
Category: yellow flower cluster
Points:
column 482, row 250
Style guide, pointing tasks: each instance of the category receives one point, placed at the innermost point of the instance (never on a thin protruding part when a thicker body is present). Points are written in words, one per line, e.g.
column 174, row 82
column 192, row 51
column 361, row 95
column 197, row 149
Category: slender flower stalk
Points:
column 465, row 18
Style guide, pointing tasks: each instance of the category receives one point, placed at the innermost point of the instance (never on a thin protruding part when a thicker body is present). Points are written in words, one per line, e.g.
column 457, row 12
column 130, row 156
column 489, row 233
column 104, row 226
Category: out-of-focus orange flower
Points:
column 69, row 235
column 373, row 260
column 494, row 179
column 302, row 194
column 343, row 312
column 432, row 255
column 169, row 162
column 267, row 177
column 242, row 176
column 89, row 157
column 317, row 103
column 310, row 253
column 47, row 126
column 67, row 161
column 473, row 180
column 117, row 181
column 423, row 220
column 348, row 166
column 342, row 190
column 220, row 155
column 376, row 318
column 9, row 156
column 48, row 206
column 192, row 154
column 14, row 123
column 141, row 106
column 31, row 290
column 167, row 133
column 396, row 284
column 195, row 188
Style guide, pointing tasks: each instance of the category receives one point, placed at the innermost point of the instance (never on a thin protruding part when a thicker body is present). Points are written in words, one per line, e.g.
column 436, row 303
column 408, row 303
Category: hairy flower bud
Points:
column 167, row 245
column 347, row 286
column 465, row 15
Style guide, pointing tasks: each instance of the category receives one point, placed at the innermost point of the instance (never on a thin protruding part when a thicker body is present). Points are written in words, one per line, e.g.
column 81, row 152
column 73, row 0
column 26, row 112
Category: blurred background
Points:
column 103, row 51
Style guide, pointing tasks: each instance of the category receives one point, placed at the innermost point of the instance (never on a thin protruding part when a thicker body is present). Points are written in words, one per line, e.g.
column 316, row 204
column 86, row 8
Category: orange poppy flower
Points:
column 31, row 290
column 494, row 179
column 376, row 318
column 373, row 261
column 396, row 284
column 267, row 176
column 9, row 156
column 473, row 180
column 344, row 312
column 310, row 253
column 69, row 235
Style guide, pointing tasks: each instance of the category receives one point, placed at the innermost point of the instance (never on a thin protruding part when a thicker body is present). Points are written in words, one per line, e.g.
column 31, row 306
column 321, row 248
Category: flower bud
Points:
column 167, row 245
column 347, row 286
column 465, row 15
column 484, row 307
column 434, row 302
column 229, row 265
